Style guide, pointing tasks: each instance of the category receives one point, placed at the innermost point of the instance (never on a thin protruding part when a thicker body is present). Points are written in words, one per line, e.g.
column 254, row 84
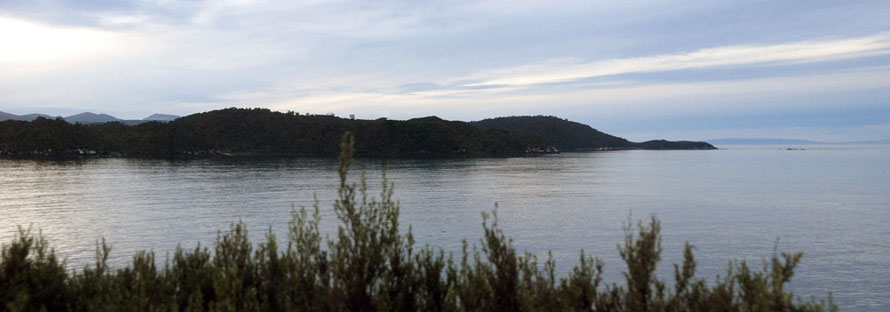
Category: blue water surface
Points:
column 743, row 202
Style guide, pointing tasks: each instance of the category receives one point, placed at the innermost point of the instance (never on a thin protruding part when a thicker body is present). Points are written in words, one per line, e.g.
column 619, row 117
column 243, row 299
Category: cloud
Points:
column 457, row 59
column 31, row 48
column 558, row 71
column 618, row 99
column 621, row 94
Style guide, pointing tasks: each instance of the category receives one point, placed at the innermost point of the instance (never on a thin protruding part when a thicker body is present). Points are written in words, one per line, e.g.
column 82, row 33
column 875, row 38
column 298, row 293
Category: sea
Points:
column 737, row 203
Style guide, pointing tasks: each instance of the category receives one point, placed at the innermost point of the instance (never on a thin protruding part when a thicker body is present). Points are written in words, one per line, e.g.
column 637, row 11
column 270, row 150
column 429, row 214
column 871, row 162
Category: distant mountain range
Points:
column 28, row 117
column 90, row 118
column 774, row 141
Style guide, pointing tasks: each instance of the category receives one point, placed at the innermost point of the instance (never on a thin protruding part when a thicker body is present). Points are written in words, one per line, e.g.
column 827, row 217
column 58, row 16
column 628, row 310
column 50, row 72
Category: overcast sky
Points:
column 642, row 70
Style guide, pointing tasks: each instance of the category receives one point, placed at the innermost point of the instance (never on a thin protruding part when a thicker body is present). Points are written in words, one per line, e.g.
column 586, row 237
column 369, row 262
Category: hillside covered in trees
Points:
column 236, row 131
column 573, row 136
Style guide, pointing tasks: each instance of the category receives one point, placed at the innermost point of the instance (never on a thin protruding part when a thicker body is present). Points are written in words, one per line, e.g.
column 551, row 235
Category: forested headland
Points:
column 237, row 131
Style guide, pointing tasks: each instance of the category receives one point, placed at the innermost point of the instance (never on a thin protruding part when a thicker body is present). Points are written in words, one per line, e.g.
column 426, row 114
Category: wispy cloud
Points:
column 534, row 83
column 795, row 52
column 611, row 98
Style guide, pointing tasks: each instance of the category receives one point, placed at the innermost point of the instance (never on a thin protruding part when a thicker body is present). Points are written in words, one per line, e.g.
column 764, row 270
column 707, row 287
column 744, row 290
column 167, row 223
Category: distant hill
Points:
column 91, row 118
column 236, row 131
column 260, row 131
column 88, row 118
column 160, row 117
column 887, row 141
column 773, row 141
column 673, row 145
column 552, row 131
column 8, row 116
column 536, row 131
column 28, row 117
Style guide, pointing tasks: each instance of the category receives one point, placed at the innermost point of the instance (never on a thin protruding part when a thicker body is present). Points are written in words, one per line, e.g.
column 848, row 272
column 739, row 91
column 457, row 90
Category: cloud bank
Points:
column 636, row 69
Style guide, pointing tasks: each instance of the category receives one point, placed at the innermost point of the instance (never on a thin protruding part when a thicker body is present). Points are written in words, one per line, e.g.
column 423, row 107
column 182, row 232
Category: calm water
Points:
column 830, row 202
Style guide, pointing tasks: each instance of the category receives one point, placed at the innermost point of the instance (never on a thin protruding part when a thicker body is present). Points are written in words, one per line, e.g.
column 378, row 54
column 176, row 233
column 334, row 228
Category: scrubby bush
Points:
column 371, row 265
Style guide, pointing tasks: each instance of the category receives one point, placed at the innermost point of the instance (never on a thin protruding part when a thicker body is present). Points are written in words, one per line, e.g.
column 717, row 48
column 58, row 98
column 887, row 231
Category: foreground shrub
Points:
column 371, row 265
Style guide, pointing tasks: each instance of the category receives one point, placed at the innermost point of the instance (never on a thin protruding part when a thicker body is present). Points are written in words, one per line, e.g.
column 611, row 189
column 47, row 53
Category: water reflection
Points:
column 829, row 203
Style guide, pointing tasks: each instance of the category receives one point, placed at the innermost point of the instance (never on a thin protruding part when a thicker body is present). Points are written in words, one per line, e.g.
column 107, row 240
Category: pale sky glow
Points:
column 642, row 70
column 30, row 48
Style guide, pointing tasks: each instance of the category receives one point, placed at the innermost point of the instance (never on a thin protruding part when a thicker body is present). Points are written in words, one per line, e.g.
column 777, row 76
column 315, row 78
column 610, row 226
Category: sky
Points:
column 642, row 70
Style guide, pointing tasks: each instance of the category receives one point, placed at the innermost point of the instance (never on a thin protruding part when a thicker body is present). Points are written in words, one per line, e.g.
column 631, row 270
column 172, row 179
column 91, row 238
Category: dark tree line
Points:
column 548, row 130
column 264, row 132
